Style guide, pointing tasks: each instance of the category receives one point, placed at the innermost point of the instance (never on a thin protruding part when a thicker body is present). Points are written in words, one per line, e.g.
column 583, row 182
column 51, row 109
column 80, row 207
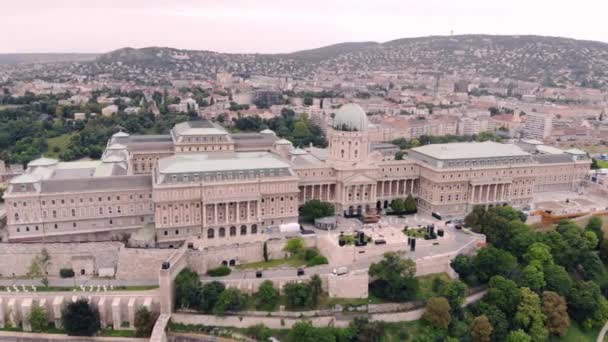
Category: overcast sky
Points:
column 279, row 25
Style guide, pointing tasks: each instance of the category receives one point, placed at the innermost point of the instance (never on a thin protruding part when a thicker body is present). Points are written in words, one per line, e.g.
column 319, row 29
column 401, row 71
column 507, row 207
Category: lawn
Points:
column 602, row 163
column 292, row 261
column 577, row 334
column 59, row 142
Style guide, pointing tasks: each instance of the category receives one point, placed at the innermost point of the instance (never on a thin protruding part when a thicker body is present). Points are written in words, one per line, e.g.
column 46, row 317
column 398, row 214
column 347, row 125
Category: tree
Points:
column 315, row 288
column 595, row 225
column 393, row 278
column 557, row 279
column 265, row 251
column 437, row 312
column 187, row 290
column 498, row 319
column 144, row 322
column 38, row 319
column 210, row 295
column 315, row 209
column 481, row 329
column 584, row 300
column 362, row 330
column 308, row 100
column 294, row 245
column 555, row 310
column 540, row 253
column 410, row 205
column 503, row 293
column 518, row 336
column 267, row 296
column 529, row 315
column 230, row 300
column 463, row 265
column 454, row 291
column 303, row 331
column 79, row 318
column 533, row 276
column 298, row 295
column 398, row 205
column 491, row 261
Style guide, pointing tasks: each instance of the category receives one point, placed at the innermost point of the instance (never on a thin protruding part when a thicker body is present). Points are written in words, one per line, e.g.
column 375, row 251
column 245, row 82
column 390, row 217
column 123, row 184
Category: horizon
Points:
column 272, row 26
column 295, row 51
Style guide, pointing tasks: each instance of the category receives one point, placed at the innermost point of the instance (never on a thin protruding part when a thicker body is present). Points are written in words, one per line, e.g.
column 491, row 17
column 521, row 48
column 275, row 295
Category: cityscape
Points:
column 447, row 187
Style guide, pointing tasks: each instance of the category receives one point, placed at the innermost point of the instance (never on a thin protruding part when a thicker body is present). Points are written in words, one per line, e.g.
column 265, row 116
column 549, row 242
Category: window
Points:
column 222, row 232
column 210, row 233
column 233, row 231
column 243, row 230
column 254, row 229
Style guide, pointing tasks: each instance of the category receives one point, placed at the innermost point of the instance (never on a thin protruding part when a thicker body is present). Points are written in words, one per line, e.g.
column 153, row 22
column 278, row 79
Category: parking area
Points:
column 565, row 202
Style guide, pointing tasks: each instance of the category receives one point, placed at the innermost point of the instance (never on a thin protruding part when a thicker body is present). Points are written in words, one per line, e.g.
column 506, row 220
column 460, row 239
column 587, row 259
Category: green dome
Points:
column 350, row 117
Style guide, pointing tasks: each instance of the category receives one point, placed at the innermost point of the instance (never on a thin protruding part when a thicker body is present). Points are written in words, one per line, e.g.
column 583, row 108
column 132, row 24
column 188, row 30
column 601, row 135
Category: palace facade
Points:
column 202, row 181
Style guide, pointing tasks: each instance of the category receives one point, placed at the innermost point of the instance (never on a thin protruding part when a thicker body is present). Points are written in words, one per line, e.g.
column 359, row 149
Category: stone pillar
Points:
column 495, row 192
column 103, row 312
column 116, row 319
column 390, row 188
column 131, row 311
column 11, row 309
column 238, row 212
column 215, row 213
column 26, row 310
column 2, row 313
column 57, row 307
column 148, row 303
column 412, row 186
column 226, row 212
column 248, row 208
column 259, row 210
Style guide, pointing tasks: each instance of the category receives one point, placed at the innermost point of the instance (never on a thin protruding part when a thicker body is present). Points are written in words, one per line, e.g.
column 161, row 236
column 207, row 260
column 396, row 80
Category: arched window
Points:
column 243, row 230
column 233, row 231
column 222, row 232
column 16, row 217
column 254, row 229
column 210, row 233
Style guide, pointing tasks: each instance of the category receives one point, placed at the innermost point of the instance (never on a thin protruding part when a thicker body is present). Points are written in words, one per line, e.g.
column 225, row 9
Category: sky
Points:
column 272, row 26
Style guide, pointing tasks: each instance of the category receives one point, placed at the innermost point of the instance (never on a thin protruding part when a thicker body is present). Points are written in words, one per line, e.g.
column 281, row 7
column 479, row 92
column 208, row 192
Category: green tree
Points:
column 410, row 205
column 533, row 276
column 144, row 322
column 298, row 295
column 540, row 253
column 595, row 225
column 557, row 279
column 455, row 292
column 303, row 331
column 265, row 251
column 437, row 312
column 294, row 245
column 39, row 320
column 187, row 290
column 363, row 330
column 481, row 329
column 518, row 336
column 315, row 209
column 504, row 293
column 491, row 261
column 315, row 289
column 529, row 315
column 230, row 300
column 555, row 311
column 497, row 317
column 210, row 295
column 308, row 101
column 398, row 205
column 79, row 318
column 393, row 278
column 267, row 296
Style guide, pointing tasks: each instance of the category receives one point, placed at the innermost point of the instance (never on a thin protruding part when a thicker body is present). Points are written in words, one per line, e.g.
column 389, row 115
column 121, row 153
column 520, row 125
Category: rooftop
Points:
column 201, row 127
column 185, row 163
column 470, row 150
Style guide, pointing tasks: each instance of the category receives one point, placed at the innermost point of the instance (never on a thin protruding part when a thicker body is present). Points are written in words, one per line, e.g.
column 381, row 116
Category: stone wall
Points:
column 16, row 258
column 140, row 264
column 115, row 308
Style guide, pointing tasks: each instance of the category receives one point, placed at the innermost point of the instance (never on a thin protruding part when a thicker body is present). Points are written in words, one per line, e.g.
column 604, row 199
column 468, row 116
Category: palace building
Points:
column 203, row 181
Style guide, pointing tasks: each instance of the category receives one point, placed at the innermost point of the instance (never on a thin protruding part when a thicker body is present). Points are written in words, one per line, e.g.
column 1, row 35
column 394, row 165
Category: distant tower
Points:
column 348, row 138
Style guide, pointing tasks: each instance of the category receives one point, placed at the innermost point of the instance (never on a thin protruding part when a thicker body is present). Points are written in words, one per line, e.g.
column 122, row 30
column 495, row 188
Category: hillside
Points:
column 26, row 58
column 534, row 58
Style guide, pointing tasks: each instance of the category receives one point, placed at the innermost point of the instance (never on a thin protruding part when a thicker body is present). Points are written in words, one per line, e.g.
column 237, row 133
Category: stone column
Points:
column 131, row 311
column 204, row 219
column 495, row 191
column 11, row 308
column 2, row 314
column 259, row 210
column 390, row 188
column 26, row 309
column 248, row 215
column 226, row 212
column 116, row 319
column 238, row 212
column 103, row 312
column 215, row 213
column 57, row 307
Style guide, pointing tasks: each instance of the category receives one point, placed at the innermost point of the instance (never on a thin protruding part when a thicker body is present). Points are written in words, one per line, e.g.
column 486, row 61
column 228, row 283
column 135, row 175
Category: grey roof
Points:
column 186, row 163
column 552, row 158
column 249, row 140
column 470, row 150
column 97, row 183
column 200, row 127
column 350, row 116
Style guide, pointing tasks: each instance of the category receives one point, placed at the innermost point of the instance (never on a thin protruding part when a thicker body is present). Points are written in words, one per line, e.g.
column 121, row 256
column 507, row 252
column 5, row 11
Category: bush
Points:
column 38, row 319
column 294, row 245
column 144, row 322
column 66, row 273
column 267, row 296
column 310, row 253
column 187, row 290
column 230, row 300
column 80, row 318
column 317, row 260
column 219, row 271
